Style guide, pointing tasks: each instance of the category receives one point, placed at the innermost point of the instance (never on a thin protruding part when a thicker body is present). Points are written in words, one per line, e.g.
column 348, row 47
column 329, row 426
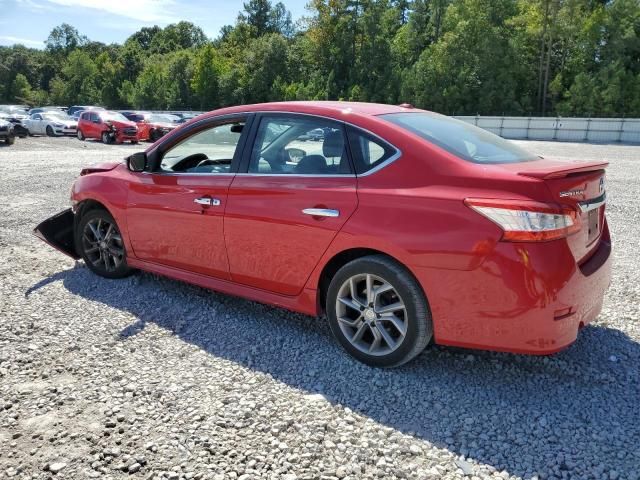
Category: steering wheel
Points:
column 207, row 161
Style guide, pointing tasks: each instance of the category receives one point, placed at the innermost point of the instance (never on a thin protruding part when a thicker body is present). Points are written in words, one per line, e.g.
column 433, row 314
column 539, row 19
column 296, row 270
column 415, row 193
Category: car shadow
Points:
column 504, row 410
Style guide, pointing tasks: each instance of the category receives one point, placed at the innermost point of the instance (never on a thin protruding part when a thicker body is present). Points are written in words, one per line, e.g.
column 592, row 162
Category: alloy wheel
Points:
column 371, row 314
column 102, row 244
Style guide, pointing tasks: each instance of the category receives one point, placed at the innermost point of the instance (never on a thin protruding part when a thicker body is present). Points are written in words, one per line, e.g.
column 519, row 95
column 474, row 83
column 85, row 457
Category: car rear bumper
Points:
column 58, row 231
column 525, row 297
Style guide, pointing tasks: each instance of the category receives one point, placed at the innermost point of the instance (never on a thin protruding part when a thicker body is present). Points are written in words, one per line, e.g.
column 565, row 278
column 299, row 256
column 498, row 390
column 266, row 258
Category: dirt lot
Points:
column 151, row 378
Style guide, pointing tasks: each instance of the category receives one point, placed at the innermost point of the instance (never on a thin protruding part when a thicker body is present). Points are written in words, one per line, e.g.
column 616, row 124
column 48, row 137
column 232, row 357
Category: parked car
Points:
column 107, row 126
column 48, row 109
column 185, row 117
column 151, row 126
column 15, row 114
column 424, row 230
column 78, row 108
column 7, row 135
column 51, row 123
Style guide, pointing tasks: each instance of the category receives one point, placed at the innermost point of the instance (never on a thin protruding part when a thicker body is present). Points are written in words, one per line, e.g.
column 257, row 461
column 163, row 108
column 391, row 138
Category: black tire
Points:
column 106, row 138
column 50, row 132
column 10, row 140
column 405, row 288
column 153, row 136
column 80, row 135
column 85, row 241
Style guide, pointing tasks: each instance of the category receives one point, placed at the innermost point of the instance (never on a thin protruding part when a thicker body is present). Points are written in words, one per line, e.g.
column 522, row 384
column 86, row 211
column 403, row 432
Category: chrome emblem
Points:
column 572, row 193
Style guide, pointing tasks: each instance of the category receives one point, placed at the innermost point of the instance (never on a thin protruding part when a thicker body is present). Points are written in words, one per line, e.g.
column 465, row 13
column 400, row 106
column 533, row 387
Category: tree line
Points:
column 488, row 57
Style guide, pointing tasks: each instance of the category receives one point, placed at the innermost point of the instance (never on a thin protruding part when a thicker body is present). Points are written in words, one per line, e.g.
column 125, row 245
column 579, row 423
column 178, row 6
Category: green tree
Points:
column 63, row 39
column 206, row 78
column 469, row 69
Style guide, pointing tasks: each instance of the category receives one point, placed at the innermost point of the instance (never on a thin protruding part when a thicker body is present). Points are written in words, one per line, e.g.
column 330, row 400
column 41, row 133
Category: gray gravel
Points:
column 150, row 378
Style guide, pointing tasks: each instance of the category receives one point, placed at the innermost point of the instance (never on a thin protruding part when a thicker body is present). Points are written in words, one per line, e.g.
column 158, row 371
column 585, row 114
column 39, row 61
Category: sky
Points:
column 29, row 21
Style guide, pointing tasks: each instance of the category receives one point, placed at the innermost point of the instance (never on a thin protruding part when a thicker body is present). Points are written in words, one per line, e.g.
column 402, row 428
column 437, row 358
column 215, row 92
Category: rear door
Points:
column 288, row 203
column 95, row 125
column 175, row 212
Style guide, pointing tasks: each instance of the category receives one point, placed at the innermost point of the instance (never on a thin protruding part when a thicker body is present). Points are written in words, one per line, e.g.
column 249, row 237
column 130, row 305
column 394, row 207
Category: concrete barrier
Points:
column 625, row 130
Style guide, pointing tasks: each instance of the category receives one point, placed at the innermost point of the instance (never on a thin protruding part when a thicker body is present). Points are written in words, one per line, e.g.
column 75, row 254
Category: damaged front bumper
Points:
column 58, row 231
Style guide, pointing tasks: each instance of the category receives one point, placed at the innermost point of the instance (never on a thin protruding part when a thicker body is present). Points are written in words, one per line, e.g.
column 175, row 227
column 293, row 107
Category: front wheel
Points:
column 50, row 132
column 10, row 140
column 378, row 312
column 106, row 138
column 100, row 243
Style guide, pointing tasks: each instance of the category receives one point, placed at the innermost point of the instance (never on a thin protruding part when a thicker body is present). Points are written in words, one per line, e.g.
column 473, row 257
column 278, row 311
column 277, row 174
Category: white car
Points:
column 51, row 124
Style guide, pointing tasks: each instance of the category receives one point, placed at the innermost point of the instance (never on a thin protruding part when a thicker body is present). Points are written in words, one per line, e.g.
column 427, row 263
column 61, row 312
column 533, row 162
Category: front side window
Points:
column 207, row 151
column 460, row 138
column 94, row 117
column 298, row 145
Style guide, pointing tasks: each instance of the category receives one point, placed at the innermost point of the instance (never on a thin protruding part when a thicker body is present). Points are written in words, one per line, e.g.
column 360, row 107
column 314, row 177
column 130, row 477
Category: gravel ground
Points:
column 150, row 378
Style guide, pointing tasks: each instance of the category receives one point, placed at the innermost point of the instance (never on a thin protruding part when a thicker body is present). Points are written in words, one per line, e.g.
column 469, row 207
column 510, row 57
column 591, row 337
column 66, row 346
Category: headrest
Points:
column 333, row 145
column 314, row 164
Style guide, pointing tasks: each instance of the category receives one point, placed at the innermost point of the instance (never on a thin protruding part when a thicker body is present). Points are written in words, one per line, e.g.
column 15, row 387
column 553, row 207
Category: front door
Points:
column 175, row 213
column 297, row 192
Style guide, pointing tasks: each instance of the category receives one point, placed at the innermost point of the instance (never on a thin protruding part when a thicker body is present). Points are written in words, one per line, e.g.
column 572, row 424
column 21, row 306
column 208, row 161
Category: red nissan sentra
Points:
column 403, row 226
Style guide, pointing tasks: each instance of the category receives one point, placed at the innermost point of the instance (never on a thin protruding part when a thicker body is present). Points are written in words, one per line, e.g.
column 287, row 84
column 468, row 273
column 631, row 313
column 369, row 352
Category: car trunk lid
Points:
column 578, row 184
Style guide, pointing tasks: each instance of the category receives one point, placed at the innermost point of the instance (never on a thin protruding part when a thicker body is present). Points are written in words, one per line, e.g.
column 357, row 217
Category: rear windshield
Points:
column 460, row 138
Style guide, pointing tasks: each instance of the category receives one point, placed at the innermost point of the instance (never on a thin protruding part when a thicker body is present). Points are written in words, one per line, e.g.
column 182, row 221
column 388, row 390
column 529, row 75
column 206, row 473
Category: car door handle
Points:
column 321, row 212
column 210, row 202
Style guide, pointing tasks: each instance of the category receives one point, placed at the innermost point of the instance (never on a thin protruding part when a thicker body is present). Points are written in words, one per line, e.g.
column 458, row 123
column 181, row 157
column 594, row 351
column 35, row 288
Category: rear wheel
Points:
column 100, row 243
column 378, row 312
column 50, row 132
column 80, row 134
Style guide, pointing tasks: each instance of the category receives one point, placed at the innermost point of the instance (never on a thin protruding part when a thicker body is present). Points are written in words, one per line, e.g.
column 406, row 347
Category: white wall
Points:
column 565, row 129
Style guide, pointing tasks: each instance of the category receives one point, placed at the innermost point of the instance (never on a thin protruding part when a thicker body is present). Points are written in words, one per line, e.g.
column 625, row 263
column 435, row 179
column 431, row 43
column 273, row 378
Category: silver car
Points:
column 51, row 123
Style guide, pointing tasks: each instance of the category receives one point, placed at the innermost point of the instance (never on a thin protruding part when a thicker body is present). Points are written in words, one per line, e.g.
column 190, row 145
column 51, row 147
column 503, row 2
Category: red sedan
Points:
column 151, row 126
column 403, row 226
column 107, row 126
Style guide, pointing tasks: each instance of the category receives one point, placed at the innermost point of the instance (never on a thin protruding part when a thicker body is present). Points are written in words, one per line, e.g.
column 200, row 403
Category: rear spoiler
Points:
column 565, row 170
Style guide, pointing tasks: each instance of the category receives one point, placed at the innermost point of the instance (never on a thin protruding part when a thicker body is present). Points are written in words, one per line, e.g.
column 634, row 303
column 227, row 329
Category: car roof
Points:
column 330, row 108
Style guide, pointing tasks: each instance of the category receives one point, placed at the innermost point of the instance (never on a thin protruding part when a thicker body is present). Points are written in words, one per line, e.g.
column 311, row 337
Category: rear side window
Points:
column 460, row 138
column 367, row 150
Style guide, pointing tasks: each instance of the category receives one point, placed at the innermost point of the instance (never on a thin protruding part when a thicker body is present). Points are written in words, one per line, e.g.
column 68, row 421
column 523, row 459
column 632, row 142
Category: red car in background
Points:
column 403, row 226
column 151, row 126
column 107, row 126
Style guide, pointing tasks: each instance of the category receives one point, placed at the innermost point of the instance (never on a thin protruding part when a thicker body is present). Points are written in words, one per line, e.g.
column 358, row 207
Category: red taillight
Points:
column 527, row 221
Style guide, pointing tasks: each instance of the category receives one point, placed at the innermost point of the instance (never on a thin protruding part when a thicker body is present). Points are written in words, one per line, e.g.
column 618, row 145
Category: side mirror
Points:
column 137, row 162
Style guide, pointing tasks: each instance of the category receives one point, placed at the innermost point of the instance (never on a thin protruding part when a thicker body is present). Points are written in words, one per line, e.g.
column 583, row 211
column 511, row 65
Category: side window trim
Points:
column 353, row 130
column 155, row 156
column 251, row 140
